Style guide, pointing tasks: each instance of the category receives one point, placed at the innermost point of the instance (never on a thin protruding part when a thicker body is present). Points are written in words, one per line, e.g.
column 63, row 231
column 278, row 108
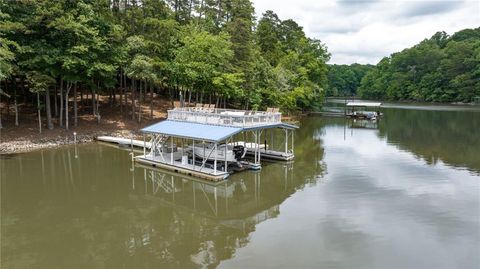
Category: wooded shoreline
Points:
column 20, row 132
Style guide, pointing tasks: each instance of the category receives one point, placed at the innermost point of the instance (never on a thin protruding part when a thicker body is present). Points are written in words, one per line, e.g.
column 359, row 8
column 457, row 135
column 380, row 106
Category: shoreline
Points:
column 25, row 145
column 48, row 139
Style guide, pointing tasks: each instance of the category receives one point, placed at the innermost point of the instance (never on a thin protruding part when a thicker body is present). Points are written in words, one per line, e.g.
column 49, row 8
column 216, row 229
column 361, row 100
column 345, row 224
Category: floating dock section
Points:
column 213, row 143
column 124, row 141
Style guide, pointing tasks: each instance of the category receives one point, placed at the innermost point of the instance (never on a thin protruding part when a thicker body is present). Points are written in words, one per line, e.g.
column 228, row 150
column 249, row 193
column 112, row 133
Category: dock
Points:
column 273, row 155
column 353, row 110
column 183, row 168
column 211, row 143
column 124, row 141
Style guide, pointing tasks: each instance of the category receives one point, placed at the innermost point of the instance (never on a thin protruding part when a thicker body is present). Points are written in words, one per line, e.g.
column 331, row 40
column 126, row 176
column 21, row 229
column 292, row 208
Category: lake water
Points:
column 402, row 193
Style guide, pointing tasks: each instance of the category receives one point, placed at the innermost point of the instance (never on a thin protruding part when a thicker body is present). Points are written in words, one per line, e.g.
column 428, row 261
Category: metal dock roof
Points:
column 207, row 132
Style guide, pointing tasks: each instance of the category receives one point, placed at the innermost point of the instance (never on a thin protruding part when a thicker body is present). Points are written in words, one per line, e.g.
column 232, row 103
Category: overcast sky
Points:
column 364, row 31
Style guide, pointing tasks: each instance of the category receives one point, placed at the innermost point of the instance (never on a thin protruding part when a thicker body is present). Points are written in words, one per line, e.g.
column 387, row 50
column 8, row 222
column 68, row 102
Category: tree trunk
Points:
column 140, row 94
column 8, row 101
column 48, row 109
column 140, row 101
column 125, row 91
column 151, row 100
column 15, row 103
column 81, row 94
column 75, row 112
column 55, row 97
column 97, row 107
column 133, row 99
column 16, row 109
column 67, row 91
column 94, row 112
column 38, row 111
column 170, row 95
column 1, row 109
column 201, row 10
column 61, row 102
column 121, row 92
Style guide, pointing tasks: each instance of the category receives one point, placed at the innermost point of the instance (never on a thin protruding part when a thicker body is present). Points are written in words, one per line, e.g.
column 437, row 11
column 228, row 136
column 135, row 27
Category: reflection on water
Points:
column 98, row 210
column 401, row 193
column 377, row 206
column 450, row 136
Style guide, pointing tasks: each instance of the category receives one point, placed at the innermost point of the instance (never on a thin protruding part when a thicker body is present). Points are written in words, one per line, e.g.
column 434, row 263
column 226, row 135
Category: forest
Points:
column 58, row 55
column 442, row 68
column 344, row 80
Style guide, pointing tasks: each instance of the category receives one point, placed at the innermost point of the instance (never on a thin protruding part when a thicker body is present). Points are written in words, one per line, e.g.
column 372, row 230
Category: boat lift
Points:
column 355, row 110
column 207, row 144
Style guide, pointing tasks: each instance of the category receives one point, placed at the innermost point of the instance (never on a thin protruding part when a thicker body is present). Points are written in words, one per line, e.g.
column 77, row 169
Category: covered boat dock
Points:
column 356, row 110
column 213, row 144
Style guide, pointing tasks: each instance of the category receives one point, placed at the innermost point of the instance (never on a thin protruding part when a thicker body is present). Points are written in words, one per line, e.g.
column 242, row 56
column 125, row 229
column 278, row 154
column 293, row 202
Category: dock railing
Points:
column 225, row 117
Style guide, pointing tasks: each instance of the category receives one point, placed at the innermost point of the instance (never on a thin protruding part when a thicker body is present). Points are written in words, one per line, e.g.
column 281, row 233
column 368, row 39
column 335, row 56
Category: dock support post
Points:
column 193, row 154
column 259, row 135
column 226, row 146
column 171, row 150
column 293, row 135
column 286, row 140
column 271, row 139
column 144, row 146
column 215, row 160
column 256, row 146
column 131, row 141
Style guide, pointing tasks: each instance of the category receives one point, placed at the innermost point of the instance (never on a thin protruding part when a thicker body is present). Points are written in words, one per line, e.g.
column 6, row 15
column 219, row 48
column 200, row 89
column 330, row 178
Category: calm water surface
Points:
column 403, row 193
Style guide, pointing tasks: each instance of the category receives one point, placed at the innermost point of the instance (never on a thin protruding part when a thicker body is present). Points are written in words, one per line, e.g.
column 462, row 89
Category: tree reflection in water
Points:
column 450, row 136
column 86, row 208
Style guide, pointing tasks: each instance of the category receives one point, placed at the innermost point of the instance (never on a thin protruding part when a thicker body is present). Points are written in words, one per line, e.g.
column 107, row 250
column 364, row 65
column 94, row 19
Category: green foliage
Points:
column 439, row 69
column 39, row 82
column 344, row 80
column 202, row 58
column 299, row 63
column 7, row 47
column 211, row 47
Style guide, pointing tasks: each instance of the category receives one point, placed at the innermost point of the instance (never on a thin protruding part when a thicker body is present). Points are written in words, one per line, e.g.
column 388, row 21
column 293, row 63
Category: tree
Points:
column 439, row 69
column 204, row 48
column 202, row 58
column 40, row 83
column 344, row 80
column 268, row 37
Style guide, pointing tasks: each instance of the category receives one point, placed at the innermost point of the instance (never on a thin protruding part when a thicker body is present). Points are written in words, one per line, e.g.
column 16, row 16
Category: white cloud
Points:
column 365, row 31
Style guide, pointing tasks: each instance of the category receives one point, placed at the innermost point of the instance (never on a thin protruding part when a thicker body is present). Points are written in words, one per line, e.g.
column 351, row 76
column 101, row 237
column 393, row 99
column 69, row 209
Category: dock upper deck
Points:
column 225, row 117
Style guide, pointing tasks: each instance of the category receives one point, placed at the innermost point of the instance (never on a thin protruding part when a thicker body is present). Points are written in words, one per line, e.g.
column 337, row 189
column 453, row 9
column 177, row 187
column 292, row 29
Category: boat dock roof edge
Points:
column 206, row 132
column 192, row 130
column 276, row 125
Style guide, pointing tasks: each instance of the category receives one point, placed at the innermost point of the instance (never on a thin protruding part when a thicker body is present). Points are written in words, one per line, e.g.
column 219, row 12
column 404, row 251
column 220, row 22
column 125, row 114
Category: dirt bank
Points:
column 26, row 136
